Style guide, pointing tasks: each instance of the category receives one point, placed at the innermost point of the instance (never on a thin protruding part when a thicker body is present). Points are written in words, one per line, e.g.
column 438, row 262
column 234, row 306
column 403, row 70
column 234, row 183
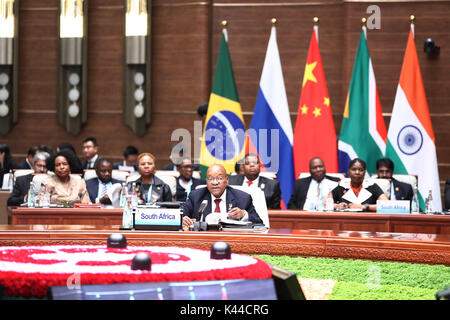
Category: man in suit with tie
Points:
column 90, row 152
column 399, row 190
column 22, row 184
column 185, row 182
column 130, row 154
column 308, row 191
column 251, row 178
column 221, row 199
column 98, row 187
column 28, row 162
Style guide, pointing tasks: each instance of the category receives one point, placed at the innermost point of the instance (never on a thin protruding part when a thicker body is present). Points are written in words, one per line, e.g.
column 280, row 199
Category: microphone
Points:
column 201, row 225
column 201, row 209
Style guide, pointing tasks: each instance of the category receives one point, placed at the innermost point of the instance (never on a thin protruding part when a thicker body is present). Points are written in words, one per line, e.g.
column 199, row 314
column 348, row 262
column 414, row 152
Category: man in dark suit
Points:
column 28, row 162
column 98, row 187
column 307, row 191
column 90, row 152
column 130, row 154
column 399, row 190
column 22, row 184
column 447, row 194
column 221, row 199
column 251, row 178
column 185, row 183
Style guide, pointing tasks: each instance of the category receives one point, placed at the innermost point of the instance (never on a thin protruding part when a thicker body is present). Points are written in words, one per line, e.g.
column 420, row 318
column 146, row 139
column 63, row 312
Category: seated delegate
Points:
column 63, row 188
column 359, row 194
column 225, row 201
column 150, row 188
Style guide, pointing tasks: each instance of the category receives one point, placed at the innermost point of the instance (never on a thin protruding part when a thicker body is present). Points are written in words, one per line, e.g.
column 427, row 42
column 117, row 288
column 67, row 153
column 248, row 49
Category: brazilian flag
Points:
column 224, row 135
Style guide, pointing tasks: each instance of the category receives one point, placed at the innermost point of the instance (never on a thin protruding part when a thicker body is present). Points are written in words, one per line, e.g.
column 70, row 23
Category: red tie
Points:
column 217, row 201
column 249, row 182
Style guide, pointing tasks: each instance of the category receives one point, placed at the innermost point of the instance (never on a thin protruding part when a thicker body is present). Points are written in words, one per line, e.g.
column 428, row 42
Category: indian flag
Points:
column 224, row 136
column 411, row 144
column 363, row 132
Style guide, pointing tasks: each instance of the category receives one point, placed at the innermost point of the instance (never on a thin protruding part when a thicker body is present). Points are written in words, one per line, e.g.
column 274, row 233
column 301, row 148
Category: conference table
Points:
column 412, row 238
column 279, row 219
column 379, row 246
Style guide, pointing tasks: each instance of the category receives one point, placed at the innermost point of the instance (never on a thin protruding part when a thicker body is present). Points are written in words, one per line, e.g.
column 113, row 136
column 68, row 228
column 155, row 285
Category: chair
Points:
column 259, row 202
column 170, row 180
column 336, row 175
column 21, row 172
column 407, row 178
column 258, row 199
column 197, row 174
column 167, row 173
column 268, row 174
column 120, row 175
column 89, row 174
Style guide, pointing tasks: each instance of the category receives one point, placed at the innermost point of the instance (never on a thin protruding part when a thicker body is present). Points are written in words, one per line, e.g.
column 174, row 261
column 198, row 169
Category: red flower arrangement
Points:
column 30, row 271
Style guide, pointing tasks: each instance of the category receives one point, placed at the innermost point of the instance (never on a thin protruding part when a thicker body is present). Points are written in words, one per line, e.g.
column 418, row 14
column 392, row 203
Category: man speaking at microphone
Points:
column 229, row 203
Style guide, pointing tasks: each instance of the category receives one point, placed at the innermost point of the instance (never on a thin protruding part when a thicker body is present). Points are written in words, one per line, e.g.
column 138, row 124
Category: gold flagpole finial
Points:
column 412, row 19
column 363, row 22
column 273, row 21
column 316, row 21
column 224, row 23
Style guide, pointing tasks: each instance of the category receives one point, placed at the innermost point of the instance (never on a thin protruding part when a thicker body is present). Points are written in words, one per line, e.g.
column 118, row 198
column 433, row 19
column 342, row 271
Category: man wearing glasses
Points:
column 186, row 183
column 224, row 201
column 22, row 184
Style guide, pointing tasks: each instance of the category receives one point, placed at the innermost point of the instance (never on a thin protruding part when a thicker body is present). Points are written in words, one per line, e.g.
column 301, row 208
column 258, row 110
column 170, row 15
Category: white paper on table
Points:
column 114, row 194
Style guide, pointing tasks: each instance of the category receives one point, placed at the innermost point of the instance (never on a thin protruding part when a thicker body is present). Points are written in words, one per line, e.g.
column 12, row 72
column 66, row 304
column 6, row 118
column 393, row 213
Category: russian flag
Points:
column 270, row 134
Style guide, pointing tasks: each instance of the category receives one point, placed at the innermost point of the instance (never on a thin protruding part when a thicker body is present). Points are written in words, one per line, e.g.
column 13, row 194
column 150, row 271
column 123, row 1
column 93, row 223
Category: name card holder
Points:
column 157, row 219
column 394, row 206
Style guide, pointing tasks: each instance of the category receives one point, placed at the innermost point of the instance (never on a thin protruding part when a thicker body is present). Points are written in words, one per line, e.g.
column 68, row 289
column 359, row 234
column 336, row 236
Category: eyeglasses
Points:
column 218, row 179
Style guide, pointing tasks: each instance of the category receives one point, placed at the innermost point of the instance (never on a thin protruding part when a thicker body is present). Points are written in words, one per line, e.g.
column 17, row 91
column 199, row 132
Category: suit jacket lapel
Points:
column 230, row 200
column 95, row 189
column 262, row 184
column 363, row 195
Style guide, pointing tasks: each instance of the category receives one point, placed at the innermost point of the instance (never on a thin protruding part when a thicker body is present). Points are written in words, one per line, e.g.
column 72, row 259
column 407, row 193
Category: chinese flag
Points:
column 314, row 134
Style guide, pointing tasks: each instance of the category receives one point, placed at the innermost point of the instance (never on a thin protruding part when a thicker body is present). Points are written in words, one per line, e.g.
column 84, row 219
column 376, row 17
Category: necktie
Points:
column 249, row 182
column 103, row 191
column 217, row 201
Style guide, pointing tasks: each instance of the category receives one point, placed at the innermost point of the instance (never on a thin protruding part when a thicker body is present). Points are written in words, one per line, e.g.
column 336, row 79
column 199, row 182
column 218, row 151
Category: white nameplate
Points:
column 394, row 206
column 157, row 219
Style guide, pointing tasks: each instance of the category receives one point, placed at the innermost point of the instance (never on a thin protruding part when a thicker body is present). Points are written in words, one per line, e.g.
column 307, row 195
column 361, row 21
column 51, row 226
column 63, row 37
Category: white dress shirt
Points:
column 91, row 162
column 223, row 215
column 318, row 190
column 100, row 188
column 254, row 184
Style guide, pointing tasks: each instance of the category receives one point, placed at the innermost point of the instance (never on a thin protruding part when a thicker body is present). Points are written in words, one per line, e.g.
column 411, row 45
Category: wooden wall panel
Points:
column 185, row 43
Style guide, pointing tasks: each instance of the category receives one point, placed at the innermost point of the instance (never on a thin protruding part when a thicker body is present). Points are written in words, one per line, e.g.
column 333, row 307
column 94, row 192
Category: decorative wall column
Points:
column 9, row 64
column 72, row 65
column 137, row 66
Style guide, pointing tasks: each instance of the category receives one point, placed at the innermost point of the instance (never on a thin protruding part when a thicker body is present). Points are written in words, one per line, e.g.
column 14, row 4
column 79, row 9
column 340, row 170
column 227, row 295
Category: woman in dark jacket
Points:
column 359, row 194
column 150, row 188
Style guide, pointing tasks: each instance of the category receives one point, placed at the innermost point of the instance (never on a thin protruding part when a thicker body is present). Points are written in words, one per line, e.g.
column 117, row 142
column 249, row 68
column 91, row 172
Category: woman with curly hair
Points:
column 65, row 188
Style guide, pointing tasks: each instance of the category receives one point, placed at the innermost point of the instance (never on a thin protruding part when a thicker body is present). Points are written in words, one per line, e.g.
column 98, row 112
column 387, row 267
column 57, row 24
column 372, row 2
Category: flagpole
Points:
column 363, row 26
column 224, row 24
column 316, row 27
column 412, row 20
